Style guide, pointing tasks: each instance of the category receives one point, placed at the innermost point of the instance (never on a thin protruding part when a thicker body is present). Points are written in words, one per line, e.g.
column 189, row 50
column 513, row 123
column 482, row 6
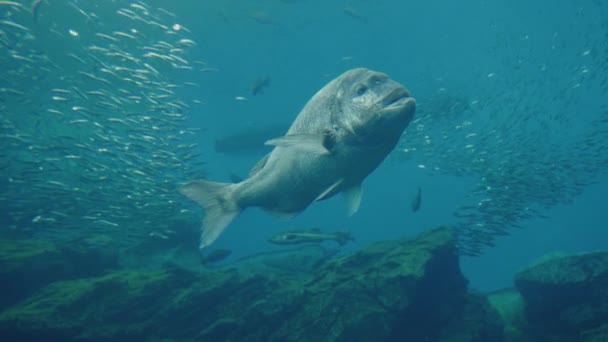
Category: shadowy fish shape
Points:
column 36, row 9
column 342, row 134
column 215, row 256
column 417, row 200
column 263, row 17
column 257, row 88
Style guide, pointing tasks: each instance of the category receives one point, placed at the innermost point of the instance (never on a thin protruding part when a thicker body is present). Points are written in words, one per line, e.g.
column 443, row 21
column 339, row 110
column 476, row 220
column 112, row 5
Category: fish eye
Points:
column 361, row 89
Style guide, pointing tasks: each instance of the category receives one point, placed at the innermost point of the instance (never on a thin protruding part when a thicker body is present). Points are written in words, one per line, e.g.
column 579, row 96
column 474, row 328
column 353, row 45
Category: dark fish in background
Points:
column 263, row 17
column 417, row 200
column 36, row 9
column 353, row 13
column 314, row 235
column 257, row 88
column 215, row 256
column 250, row 141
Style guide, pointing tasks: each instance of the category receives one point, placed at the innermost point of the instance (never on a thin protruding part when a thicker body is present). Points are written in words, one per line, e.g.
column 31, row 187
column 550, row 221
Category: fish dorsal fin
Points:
column 259, row 165
column 314, row 143
column 352, row 196
column 330, row 190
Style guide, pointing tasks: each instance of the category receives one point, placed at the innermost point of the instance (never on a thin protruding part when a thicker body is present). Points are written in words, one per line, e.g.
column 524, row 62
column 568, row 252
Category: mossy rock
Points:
column 510, row 306
column 27, row 265
column 561, row 269
column 171, row 303
column 599, row 334
column 99, row 307
column 565, row 295
column 409, row 289
column 476, row 321
column 388, row 290
column 287, row 262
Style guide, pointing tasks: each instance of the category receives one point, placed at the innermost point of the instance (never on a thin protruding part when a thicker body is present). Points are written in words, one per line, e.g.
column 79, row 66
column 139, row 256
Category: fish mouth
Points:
column 397, row 98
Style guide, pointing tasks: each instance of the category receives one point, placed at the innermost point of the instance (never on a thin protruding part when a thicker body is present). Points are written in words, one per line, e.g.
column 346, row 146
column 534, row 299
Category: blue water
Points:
column 426, row 46
column 542, row 61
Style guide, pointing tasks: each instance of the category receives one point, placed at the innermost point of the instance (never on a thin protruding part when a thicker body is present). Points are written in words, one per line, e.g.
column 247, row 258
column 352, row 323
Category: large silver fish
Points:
column 343, row 133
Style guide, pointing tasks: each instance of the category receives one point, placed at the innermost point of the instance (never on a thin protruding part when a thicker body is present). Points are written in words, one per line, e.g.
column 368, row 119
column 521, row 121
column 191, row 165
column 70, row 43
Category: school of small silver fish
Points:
column 533, row 136
column 94, row 139
column 92, row 128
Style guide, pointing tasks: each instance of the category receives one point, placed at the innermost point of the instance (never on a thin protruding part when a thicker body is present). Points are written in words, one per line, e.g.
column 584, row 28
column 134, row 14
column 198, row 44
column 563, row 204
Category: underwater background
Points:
column 107, row 107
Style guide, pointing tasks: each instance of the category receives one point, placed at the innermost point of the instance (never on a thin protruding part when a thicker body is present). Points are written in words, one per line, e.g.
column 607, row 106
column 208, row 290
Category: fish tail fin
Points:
column 217, row 201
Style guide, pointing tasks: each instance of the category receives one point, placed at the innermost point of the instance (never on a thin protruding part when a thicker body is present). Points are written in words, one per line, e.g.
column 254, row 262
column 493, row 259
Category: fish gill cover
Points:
column 92, row 135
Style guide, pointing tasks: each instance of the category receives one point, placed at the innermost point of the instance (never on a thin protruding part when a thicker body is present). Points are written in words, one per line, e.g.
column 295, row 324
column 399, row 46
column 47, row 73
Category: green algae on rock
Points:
column 510, row 306
column 408, row 289
column 565, row 295
column 87, row 308
column 27, row 265
column 599, row 334
column 475, row 321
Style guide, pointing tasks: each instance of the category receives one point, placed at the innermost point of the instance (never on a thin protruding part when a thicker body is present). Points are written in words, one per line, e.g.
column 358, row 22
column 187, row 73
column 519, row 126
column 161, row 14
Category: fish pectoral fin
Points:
column 329, row 191
column 352, row 196
column 314, row 143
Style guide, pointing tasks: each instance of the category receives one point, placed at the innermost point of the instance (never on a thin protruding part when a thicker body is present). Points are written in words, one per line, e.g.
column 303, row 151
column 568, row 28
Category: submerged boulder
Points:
column 510, row 306
column 27, row 265
column 114, row 306
column 475, row 321
column 409, row 289
column 392, row 290
column 599, row 334
column 565, row 295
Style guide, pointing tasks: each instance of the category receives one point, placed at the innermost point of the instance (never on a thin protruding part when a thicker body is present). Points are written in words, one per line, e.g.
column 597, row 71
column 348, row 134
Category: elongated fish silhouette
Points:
column 343, row 133
column 417, row 200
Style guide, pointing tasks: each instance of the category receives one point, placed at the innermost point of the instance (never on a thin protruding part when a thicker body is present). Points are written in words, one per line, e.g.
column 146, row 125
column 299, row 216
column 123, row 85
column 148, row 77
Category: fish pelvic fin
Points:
column 352, row 195
column 217, row 201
